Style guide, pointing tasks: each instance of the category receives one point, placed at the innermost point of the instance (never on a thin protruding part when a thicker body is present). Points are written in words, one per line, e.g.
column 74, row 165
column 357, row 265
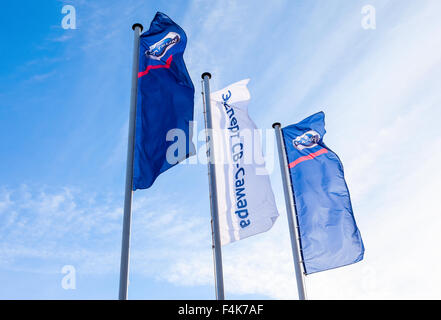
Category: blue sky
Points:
column 64, row 99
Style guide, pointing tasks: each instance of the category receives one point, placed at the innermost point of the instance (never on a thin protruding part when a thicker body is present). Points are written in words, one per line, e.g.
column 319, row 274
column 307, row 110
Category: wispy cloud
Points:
column 63, row 38
column 41, row 76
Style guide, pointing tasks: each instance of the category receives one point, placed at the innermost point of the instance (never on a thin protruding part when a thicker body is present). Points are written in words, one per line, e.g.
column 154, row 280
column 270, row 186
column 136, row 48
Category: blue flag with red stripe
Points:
column 164, row 109
column 329, row 236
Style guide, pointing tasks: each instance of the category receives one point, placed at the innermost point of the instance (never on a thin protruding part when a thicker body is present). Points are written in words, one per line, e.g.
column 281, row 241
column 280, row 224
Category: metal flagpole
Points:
column 291, row 211
column 217, row 252
column 125, row 247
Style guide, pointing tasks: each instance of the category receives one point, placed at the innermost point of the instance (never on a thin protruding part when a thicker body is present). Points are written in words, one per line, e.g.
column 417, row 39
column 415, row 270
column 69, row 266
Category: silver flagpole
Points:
column 125, row 247
column 291, row 211
column 217, row 252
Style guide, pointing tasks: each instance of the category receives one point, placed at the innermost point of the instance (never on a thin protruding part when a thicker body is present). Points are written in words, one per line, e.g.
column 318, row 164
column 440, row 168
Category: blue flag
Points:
column 165, row 104
column 329, row 237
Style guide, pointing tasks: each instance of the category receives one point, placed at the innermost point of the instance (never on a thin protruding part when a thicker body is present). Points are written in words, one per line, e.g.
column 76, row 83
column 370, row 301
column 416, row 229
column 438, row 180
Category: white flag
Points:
column 245, row 199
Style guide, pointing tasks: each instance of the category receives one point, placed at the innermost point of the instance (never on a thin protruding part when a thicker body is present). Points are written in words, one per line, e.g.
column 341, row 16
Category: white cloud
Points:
column 401, row 237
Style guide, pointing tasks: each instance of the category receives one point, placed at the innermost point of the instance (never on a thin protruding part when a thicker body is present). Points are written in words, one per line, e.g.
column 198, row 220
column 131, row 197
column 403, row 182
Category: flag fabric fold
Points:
column 329, row 236
column 246, row 204
column 165, row 102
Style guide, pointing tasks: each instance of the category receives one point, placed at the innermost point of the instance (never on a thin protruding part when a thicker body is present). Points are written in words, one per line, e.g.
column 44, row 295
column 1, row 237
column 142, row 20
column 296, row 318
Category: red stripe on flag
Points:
column 308, row 157
column 166, row 66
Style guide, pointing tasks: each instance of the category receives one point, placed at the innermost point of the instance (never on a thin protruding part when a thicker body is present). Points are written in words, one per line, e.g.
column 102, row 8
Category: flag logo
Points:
column 309, row 139
column 159, row 49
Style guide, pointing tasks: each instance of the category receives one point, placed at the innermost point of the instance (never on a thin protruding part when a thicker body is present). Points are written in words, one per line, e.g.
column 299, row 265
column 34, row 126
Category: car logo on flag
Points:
column 158, row 50
column 309, row 139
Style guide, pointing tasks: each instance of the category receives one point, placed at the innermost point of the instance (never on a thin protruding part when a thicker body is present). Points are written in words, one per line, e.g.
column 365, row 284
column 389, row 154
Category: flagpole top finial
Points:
column 137, row 25
column 276, row 124
column 206, row 74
